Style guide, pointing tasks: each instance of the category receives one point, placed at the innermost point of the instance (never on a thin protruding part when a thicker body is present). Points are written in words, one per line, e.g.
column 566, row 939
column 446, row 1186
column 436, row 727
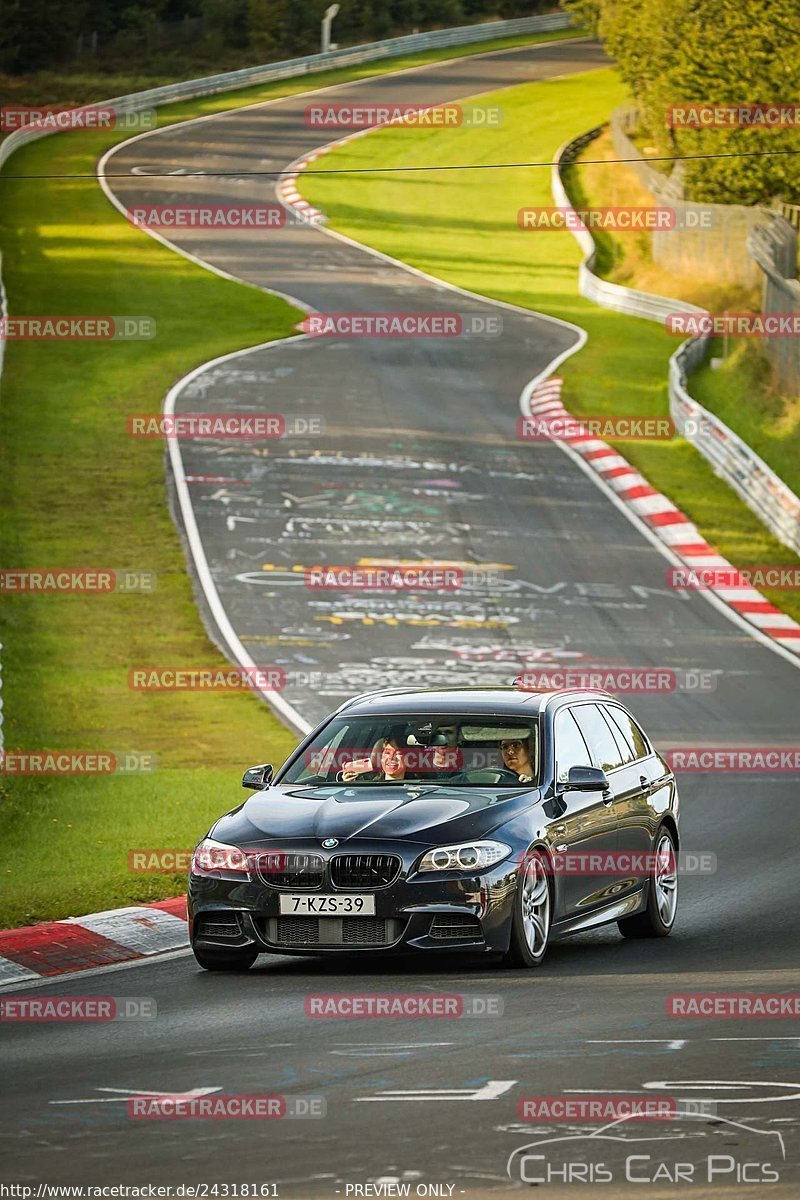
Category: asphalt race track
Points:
column 418, row 460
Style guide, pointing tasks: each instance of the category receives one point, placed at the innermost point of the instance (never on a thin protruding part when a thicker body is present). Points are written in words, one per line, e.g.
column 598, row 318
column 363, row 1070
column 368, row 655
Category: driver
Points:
column 516, row 754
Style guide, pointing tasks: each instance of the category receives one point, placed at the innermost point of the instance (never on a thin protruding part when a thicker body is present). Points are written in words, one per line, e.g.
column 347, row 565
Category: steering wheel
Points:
column 489, row 776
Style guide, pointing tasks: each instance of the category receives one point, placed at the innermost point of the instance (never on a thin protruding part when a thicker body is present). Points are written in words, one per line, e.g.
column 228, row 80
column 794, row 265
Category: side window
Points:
column 623, row 745
column 571, row 749
column 598, row 736
column 632, row 733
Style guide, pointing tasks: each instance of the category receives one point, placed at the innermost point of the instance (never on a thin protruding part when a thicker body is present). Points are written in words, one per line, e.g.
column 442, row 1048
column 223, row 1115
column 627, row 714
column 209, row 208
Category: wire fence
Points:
column 708, row 239
column 733, row 460
column 775, row 251
column 731, row 243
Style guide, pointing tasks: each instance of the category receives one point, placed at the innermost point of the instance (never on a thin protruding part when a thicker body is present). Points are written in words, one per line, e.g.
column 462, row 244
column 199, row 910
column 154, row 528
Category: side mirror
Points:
column 587, row 779
column 258, row 778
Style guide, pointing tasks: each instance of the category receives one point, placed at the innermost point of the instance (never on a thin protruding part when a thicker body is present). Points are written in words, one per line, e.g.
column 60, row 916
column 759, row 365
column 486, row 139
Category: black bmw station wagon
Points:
column 487, row 821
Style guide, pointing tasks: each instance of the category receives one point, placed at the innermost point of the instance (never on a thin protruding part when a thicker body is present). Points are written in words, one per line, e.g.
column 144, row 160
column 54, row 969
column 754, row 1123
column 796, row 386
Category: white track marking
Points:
column 237, row 650
column 664, row 550
column 240, row 655
column 489, row 1091
column 224, row 625
column 670, row 1043
column 791, row 1092
column 679, row 1043
column 139, row 1093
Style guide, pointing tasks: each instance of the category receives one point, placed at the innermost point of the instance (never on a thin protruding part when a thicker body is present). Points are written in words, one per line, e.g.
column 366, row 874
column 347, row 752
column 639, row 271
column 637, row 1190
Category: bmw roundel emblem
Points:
column 329, row 843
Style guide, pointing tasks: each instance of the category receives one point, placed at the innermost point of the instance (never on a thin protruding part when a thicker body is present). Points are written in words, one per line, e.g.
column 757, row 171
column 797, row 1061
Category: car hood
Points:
column 421, row 814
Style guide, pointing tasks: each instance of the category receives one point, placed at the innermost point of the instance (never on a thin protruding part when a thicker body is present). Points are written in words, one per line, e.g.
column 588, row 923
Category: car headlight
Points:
column 470, row 856
column 217, row 858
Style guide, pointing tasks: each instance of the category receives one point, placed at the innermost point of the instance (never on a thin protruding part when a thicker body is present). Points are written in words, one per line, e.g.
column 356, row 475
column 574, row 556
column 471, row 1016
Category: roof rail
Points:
column 375, row 692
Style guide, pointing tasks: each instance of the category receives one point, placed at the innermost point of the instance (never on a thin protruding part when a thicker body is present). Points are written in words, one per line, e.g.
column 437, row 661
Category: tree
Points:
column 710, row 53
column 225, row 22
column 37, row 33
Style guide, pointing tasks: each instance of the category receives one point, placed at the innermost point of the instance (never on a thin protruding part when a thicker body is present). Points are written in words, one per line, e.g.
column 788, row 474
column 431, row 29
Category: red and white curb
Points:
column 98, row 940
column 288, row 194
column 667, row 522
column 287, row 188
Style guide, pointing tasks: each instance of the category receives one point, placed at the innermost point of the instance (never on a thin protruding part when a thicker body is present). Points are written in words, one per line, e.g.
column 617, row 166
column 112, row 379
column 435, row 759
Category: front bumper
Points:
column 441, row 911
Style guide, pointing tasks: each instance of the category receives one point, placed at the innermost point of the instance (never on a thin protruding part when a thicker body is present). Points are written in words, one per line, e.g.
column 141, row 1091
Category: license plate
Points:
column 353, row 905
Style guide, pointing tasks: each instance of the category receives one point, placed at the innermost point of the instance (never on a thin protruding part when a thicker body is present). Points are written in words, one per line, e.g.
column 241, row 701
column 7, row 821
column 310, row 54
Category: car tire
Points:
column 658, row 917
column 225, row 960
column 533, row 913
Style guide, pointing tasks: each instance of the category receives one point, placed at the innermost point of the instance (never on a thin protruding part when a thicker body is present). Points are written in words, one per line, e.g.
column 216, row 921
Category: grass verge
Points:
column 76, row 491
column 462, row 227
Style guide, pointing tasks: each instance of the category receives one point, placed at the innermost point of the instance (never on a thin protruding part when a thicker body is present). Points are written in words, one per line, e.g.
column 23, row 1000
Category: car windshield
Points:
column 456, row 750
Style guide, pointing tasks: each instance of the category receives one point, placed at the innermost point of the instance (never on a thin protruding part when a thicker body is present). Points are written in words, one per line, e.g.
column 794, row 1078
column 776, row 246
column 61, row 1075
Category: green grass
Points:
column 462, row 227
column 75, row 490
column 742, row 393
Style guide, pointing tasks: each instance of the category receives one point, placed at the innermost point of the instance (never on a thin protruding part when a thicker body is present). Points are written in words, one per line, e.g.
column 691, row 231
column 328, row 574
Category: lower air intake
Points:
column 352, row 932
column 456, row 927
column 220, row 927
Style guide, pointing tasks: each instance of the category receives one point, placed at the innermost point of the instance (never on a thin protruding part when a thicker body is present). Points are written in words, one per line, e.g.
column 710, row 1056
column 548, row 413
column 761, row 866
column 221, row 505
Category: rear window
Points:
column 628, row 729
column 598, row 737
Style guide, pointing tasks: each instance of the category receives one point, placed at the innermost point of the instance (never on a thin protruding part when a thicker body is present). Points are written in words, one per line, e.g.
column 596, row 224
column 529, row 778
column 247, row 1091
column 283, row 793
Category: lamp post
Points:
column 327, row 21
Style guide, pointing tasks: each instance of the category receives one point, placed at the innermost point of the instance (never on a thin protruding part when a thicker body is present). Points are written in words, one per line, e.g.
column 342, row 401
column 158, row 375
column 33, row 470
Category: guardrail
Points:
column 608, row 295
column 761, row 489
column 772, row 500
column 290, row 68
